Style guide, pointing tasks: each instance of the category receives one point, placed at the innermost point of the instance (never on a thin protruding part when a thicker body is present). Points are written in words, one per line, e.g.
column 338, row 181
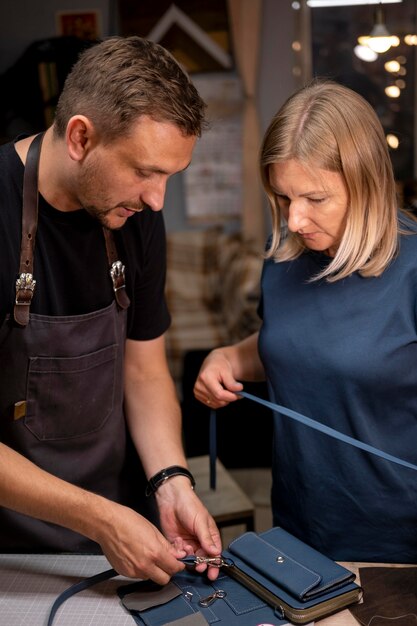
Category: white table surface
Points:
column 29, row 585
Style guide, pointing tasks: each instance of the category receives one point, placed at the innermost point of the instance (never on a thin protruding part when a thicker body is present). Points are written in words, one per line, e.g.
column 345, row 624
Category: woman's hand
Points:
column 216, row 384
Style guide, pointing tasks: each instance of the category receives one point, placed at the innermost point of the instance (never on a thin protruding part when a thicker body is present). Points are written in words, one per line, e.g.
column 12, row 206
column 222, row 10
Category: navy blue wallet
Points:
column 300, row 583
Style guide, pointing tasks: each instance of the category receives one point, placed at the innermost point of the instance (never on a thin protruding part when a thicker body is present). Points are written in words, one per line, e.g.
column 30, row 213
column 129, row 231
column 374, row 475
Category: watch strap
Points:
column 158, row 479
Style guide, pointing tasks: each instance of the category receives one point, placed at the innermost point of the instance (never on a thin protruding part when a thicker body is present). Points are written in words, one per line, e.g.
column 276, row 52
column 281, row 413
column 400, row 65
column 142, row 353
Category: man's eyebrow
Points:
column 158, row 170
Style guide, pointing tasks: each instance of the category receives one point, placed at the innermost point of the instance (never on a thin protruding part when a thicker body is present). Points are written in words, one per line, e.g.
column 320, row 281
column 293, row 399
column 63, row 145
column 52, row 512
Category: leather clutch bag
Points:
column 300, row 583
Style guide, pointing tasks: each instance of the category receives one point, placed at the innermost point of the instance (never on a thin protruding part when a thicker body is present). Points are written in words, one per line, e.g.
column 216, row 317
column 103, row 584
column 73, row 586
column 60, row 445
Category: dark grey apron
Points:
column 61, row 397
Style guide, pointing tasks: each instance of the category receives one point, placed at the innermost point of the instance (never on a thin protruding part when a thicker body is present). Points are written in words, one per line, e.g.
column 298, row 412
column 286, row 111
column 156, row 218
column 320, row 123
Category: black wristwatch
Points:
column 174, row 470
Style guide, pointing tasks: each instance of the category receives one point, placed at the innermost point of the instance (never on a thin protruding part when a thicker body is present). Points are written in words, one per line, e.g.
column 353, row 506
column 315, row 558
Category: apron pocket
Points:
column 70, row 397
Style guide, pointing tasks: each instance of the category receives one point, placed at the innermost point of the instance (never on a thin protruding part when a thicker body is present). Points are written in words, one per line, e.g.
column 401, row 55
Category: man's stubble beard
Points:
column 89, row 180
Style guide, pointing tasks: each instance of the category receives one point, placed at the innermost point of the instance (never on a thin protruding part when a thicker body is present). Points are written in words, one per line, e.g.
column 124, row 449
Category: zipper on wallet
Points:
column 284, row 610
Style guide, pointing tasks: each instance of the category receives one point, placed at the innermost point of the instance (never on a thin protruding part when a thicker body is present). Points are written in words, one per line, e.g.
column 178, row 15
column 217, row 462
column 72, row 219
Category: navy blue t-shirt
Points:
column 344, row 354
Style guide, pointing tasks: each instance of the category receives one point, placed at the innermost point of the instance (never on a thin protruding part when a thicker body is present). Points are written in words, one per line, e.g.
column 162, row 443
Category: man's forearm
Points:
column 154, row 419
column 132, row 545
column 151, row 406
column 27, row 489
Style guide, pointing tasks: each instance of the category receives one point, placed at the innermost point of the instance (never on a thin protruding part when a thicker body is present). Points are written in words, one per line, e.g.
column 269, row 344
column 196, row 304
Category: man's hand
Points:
column 186, row 523
column 135, row 547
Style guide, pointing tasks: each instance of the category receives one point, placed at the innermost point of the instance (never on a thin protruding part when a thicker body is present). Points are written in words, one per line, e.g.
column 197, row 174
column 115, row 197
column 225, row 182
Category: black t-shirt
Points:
column 70, row 266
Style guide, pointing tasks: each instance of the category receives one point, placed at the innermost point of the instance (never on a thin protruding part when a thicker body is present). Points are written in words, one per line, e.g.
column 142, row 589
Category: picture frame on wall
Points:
column 196, row 33
column 85, row 24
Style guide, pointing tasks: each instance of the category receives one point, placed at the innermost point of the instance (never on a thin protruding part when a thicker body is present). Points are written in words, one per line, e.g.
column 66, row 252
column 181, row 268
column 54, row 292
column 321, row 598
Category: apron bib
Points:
column 61, row 396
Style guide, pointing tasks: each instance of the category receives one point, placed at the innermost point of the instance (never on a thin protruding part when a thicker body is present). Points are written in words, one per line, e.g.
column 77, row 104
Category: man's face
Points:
column 118, row 179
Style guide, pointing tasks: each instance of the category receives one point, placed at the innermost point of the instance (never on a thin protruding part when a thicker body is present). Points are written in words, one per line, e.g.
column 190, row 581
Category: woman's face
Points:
column 313, row 201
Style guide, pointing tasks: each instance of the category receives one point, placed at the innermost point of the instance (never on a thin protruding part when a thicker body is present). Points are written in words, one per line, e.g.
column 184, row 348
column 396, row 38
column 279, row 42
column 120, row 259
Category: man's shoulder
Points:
column 11, row 182
column 8, row 151
column 11, row 167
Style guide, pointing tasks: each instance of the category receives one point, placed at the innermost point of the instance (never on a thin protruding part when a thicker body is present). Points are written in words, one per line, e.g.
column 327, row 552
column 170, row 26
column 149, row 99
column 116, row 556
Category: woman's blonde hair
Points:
column 329, row 126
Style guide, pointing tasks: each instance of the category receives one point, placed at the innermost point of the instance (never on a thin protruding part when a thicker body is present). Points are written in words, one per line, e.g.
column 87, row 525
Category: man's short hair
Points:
column 121, row 79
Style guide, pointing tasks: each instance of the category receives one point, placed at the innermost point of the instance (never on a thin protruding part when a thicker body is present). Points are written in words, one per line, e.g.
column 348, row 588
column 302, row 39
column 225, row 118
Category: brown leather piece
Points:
column 19, row 409
column 390, row 597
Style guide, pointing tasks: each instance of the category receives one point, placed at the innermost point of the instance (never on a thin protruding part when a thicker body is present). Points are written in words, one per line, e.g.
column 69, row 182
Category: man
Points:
column 86, row 387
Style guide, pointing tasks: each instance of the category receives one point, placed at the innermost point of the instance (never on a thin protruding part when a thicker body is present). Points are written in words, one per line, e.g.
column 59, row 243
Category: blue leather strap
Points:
column 213, row 447
column 307, row 421
column 84, row 584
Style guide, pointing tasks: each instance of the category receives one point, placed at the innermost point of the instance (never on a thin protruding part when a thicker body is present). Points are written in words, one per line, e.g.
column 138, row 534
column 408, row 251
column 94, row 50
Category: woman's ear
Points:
column 80, row 137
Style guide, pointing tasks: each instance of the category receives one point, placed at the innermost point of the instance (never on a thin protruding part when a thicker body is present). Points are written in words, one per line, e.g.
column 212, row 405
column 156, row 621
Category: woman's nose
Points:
column 297, row 217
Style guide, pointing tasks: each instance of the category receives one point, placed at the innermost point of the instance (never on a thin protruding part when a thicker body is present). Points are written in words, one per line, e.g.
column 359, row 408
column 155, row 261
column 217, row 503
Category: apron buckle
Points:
column 117, row 273
column 25, row 286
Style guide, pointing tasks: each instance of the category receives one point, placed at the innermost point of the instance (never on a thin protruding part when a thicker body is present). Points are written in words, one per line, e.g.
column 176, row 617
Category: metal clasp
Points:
column 25, row 282
column 214, row 561
column 219, row 593
column 117, row 273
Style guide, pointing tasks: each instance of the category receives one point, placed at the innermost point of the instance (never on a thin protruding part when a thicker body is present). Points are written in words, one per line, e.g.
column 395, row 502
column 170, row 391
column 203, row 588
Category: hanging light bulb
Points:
column 392, row 66
column 379, row 39
column 392, row 141
column 392, row 91
column 365, row 54
column 410, row 40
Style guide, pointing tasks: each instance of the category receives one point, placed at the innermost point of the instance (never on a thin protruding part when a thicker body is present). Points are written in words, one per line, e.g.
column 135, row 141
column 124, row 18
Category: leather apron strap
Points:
column 25, row 284
column 117, row 271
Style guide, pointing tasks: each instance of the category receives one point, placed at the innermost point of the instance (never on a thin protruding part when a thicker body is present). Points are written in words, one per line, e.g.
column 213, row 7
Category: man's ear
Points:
column 80, row 137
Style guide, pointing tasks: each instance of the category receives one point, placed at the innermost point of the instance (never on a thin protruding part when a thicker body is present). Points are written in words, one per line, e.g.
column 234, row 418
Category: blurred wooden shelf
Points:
column 228, row 503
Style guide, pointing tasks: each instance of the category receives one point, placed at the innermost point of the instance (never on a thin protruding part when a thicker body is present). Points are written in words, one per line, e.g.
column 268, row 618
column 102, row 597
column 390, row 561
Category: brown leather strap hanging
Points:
column 25, row 284
column 117, row 271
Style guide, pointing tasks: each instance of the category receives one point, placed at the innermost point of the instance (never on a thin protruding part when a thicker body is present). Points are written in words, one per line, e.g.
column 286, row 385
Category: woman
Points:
column 338, row 341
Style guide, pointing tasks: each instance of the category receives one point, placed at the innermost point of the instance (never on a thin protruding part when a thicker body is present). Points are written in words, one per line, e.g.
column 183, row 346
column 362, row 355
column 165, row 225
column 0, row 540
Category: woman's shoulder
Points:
column 407, row 229
column 407, row 249
column 407, row 222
